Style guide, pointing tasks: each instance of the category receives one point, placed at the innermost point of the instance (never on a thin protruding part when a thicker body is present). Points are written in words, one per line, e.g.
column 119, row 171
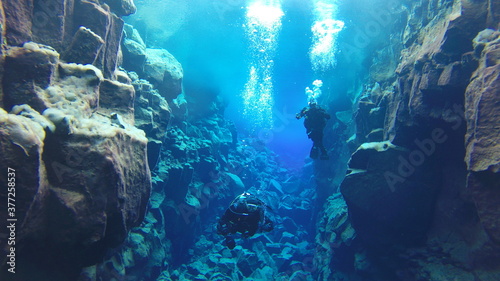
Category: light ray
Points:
column 263, row 24
column 325, row 31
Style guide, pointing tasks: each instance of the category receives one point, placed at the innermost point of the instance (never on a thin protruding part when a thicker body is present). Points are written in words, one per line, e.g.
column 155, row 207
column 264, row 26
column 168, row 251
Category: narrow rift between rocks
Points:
column 128, row 130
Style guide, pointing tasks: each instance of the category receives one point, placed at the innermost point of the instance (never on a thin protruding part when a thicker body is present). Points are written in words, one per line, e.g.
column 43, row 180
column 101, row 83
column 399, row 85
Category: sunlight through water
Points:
column 263, row 24
column 325, row 30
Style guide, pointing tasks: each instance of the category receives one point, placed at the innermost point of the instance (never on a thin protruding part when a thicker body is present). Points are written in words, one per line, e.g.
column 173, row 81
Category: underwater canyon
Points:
column 128, row 127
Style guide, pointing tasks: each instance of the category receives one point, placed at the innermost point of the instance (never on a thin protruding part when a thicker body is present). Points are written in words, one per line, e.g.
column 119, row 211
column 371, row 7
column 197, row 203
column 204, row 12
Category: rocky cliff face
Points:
column 57, row 23
column 421, row 190
column 67, row 132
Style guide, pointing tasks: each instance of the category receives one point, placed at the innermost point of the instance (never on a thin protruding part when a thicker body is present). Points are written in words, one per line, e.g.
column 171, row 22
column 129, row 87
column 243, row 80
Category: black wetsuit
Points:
column 245, row 215
column 315, row 122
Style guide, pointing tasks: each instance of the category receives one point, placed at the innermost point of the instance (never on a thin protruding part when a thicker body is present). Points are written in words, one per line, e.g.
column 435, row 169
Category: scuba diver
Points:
column 315, row 122
column 246, row 214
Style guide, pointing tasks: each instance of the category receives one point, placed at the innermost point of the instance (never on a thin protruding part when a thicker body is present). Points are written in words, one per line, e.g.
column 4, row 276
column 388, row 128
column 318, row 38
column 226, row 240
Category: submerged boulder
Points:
column 101, row 170
column 28, row 69
column 21, row 147
column 152, row 113
column 84, row 47
column 82, row 180
column 117, row 98
column 335, row 234
column 108, row 27
column 134, row 50
column 94, row 17
column 122, row 7
column 390, row 198
column 164, row 72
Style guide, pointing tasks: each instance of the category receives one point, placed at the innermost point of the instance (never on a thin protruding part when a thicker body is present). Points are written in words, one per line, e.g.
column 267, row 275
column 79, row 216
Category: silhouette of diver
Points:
column 246, row 214
column 315, row 122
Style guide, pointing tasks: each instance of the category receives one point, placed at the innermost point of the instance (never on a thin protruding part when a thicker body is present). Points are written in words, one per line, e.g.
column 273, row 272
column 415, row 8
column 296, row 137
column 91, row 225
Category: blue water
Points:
column 211, row 41
column 395, row 194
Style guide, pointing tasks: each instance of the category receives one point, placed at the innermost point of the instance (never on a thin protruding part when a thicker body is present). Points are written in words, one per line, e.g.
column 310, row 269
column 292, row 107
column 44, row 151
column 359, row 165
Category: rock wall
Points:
column 482, row 154
column 58, row 23
column 67, row 133
column 423, row 177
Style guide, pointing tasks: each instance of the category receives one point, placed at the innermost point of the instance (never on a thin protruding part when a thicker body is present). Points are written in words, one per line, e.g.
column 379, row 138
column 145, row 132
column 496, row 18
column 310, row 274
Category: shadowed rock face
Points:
column 30, row 68
column 22, row 143
column 390, row 200
column 157, row 66
column 58, row 23
column 483, row 131
column 18, row 21
column 87, row 123
column 84, row 47
column 122, row 7
column 440, row 110
column 81, row 170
